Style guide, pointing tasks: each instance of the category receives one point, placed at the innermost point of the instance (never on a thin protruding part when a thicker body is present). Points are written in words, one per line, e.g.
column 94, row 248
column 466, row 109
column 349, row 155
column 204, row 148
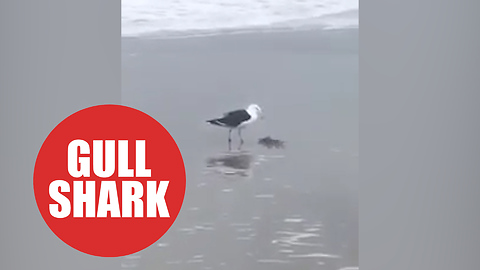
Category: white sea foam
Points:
column 293, row 220
column 294, row 239
column 204, row 228
column 272, row 261
column 203, row 17
column 314, row 255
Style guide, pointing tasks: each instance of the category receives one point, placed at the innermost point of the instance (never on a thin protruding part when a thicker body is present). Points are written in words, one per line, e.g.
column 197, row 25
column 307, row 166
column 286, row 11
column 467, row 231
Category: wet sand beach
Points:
column 255, row 208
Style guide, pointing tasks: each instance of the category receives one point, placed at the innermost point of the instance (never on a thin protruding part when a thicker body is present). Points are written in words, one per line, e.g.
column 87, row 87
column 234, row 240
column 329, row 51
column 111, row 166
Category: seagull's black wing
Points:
column 231, row 119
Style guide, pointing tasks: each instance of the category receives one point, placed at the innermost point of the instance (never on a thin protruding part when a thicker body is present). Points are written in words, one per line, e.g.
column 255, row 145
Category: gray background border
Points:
column 419, row 134
column 56, row 57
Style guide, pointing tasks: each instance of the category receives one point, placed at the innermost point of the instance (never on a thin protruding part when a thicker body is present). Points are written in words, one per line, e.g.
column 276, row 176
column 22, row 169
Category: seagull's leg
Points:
column 229, row 139
column 241, row 139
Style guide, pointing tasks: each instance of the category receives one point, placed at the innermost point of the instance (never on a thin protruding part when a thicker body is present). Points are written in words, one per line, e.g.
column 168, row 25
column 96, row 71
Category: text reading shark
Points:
column 105, row 164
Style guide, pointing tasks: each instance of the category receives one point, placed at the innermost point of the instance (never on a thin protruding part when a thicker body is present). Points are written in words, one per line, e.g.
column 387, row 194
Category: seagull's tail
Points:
column 215, row 122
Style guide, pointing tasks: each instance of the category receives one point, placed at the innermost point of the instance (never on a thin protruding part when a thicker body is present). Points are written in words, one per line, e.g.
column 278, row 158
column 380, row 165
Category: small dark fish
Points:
column 269, row 142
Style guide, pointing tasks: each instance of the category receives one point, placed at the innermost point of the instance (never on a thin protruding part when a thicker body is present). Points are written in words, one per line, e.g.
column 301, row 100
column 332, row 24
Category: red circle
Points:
column 110, row 236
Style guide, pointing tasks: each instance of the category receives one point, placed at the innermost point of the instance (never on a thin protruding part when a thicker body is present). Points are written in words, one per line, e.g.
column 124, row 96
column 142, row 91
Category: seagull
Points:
column 238, row 120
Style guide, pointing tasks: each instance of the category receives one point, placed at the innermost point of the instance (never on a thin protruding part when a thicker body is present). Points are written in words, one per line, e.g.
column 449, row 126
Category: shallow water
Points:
column 193, row 17
column 255, row 208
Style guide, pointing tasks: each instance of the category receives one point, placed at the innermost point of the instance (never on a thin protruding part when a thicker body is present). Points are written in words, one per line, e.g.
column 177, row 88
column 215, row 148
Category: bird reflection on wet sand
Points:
column 231, row 163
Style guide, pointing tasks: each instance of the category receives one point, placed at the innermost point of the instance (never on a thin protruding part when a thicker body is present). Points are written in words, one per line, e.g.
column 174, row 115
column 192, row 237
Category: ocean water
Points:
column 171, row 18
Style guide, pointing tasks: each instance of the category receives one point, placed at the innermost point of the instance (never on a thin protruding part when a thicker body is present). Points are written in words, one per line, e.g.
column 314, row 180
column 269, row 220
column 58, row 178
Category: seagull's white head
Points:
column 255, row 110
